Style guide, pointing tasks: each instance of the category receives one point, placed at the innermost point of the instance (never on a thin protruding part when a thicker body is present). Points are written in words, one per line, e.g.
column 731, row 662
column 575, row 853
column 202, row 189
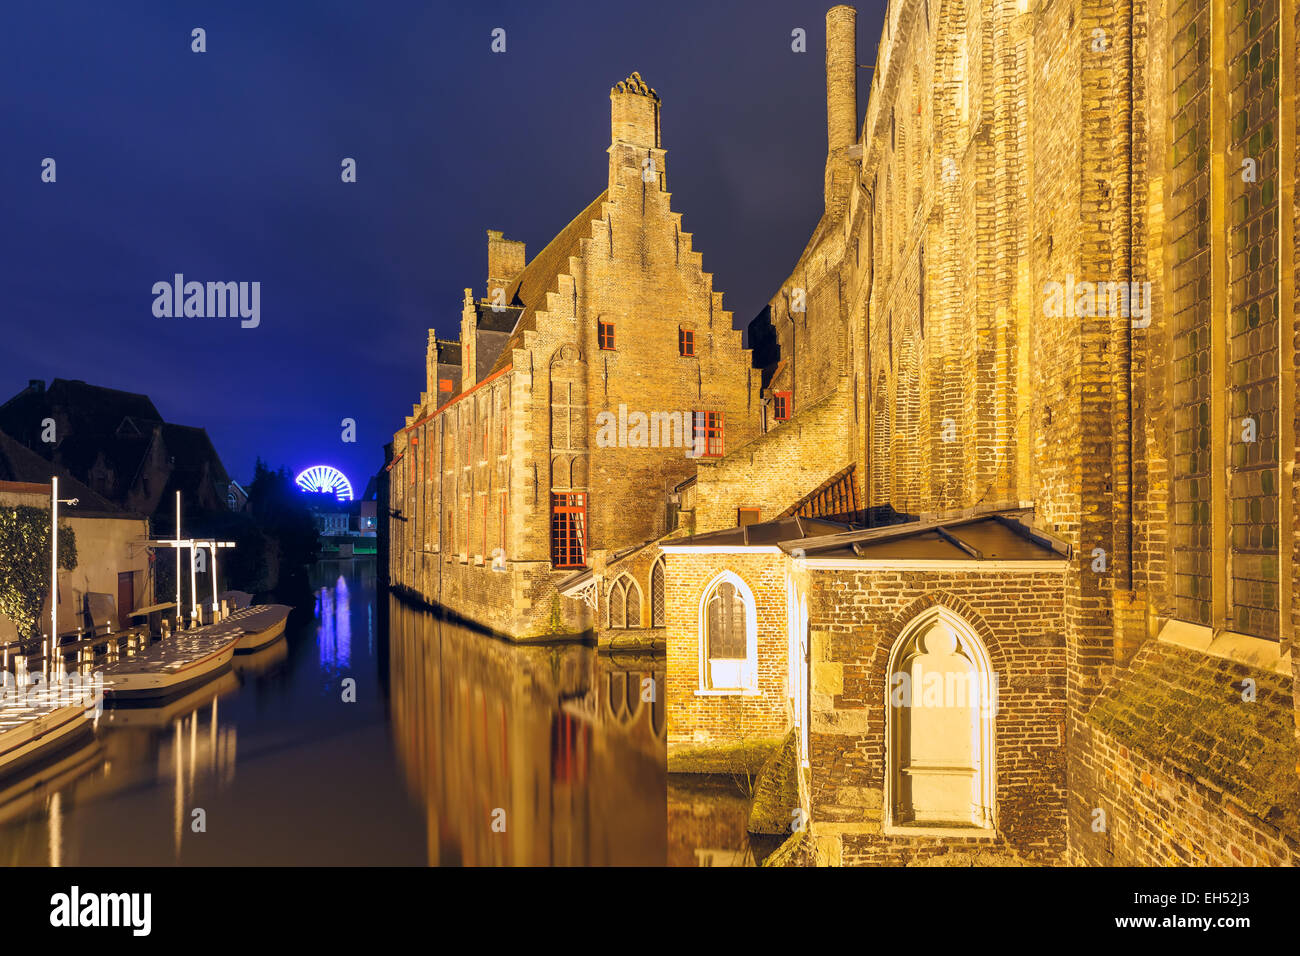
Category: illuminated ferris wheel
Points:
column 323, row 478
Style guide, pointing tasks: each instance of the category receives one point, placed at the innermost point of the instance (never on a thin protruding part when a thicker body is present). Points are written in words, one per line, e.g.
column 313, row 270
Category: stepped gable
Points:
column 541, row 274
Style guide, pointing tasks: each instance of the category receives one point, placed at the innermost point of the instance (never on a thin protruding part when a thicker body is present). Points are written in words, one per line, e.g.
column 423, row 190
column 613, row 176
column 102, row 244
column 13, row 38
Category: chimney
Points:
column 505, row 261
column 468, row 341
column 634, row 132
column 841, row 93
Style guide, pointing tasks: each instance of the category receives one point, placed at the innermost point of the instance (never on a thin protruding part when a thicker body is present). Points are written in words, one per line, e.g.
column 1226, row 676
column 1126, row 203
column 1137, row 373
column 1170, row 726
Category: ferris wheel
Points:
column 323, row 478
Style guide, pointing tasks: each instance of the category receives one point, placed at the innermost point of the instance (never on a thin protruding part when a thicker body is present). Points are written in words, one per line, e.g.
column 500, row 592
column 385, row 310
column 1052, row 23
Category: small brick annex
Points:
column 831, row 610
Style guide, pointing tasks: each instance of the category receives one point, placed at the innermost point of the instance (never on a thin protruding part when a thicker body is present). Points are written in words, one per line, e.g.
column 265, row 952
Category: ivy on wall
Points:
column 25, row 564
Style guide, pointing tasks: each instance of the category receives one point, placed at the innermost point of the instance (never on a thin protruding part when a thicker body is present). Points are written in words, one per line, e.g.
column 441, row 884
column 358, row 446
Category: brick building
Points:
column 1043, row 342
column 553, row 430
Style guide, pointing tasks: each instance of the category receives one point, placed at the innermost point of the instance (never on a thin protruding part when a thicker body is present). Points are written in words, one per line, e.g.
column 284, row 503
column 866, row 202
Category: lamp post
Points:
column 55, row 501
column 179, row 612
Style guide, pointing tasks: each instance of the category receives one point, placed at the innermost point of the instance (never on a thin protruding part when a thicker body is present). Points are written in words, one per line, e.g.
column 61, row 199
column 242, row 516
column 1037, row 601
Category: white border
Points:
column 750, row 688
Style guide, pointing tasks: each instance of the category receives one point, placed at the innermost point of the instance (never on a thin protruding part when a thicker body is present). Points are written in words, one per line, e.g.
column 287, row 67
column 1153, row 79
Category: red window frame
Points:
column 781, row 402
column 685, row 342
column 605, row 335
column 707, row 433
column 501, row 543
column 415, row 458
column 485, row 521
column 568, row 529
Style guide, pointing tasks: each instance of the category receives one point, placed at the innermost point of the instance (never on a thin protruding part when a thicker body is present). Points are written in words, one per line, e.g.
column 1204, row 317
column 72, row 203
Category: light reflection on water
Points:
column 451, row 731
column 334, row 630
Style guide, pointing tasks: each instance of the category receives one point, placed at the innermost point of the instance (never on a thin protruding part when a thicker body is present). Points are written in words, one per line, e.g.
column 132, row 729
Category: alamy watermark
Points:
column 653, row 430
column 945, row 688
column 69, row 689
column 1082, row 299
column 211, row 300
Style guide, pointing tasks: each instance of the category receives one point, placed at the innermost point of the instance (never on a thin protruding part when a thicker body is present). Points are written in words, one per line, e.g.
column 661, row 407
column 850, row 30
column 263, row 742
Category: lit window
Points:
column 708, row 434
column 569, row 529
column 657, row 594
column 444, row 385
column 728, row 637
column 606, row 333
column 781, row 406
column 624, row 603
column 686, row 341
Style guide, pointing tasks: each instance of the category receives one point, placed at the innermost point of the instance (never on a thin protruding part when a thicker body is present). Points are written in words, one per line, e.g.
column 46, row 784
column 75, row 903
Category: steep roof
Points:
column 1004, row 534
column 22, row 465
column 100, row 420
column 191, row 449
column 541, row 274
column 761, row 534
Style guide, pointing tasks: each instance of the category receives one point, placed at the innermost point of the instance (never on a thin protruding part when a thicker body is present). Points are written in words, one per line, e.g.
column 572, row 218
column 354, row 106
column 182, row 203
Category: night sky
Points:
column 225, row 166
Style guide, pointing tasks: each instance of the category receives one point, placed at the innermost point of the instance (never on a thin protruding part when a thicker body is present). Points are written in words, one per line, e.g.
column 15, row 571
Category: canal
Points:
column 376, row 733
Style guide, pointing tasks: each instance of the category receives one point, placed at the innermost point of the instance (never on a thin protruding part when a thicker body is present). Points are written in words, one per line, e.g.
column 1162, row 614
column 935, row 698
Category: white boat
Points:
column 260, row 624
column 154, row 715
column 180, row 662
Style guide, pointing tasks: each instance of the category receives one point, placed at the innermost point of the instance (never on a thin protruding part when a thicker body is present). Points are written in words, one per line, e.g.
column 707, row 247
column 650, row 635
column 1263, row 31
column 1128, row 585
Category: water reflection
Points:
column 527, row 755
column 334, row 632
column 458, row 749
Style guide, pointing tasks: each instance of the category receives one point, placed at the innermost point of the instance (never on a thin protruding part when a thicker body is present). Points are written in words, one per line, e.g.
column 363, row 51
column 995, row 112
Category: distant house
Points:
column 111, row 555
column 236, row 497
column 118, row 445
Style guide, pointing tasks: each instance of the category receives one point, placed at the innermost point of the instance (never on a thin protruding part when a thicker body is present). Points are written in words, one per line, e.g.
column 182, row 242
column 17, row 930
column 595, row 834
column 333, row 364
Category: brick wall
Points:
column 854, row 620
column 777, row 469
column 693, row 719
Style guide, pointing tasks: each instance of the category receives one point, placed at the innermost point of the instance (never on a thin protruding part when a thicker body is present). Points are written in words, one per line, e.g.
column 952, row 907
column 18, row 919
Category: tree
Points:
column 25, row 565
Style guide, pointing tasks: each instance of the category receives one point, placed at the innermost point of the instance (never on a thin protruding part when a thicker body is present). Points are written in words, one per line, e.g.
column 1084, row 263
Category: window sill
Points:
column 927, row 830
column 1254, row 652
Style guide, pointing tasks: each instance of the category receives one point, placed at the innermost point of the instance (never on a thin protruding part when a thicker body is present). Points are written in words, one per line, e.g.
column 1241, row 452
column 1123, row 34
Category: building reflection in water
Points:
column 527, row 755
column 181, row 745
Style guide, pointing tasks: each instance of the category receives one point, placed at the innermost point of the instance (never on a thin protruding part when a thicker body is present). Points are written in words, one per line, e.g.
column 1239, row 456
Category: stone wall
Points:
column 773, row 471
column 855, row 618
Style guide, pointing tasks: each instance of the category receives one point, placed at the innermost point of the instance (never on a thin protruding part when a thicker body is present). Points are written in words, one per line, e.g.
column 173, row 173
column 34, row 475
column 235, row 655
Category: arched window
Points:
column 728, row 637
column 632, row 594
column 657, row 593
column 617, row 604
column 940, row 705
column 624, row 603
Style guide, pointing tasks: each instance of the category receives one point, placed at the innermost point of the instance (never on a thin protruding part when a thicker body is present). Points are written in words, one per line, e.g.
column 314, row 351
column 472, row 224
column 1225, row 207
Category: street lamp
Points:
column 55, row 501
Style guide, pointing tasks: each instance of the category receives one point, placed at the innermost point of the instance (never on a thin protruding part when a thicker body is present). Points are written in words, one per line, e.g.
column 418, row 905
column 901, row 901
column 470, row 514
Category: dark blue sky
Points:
column 224, row 166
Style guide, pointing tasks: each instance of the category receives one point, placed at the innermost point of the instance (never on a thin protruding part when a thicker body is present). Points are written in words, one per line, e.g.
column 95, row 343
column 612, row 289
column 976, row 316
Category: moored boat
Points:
column 178, row 663
column 260, row 624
